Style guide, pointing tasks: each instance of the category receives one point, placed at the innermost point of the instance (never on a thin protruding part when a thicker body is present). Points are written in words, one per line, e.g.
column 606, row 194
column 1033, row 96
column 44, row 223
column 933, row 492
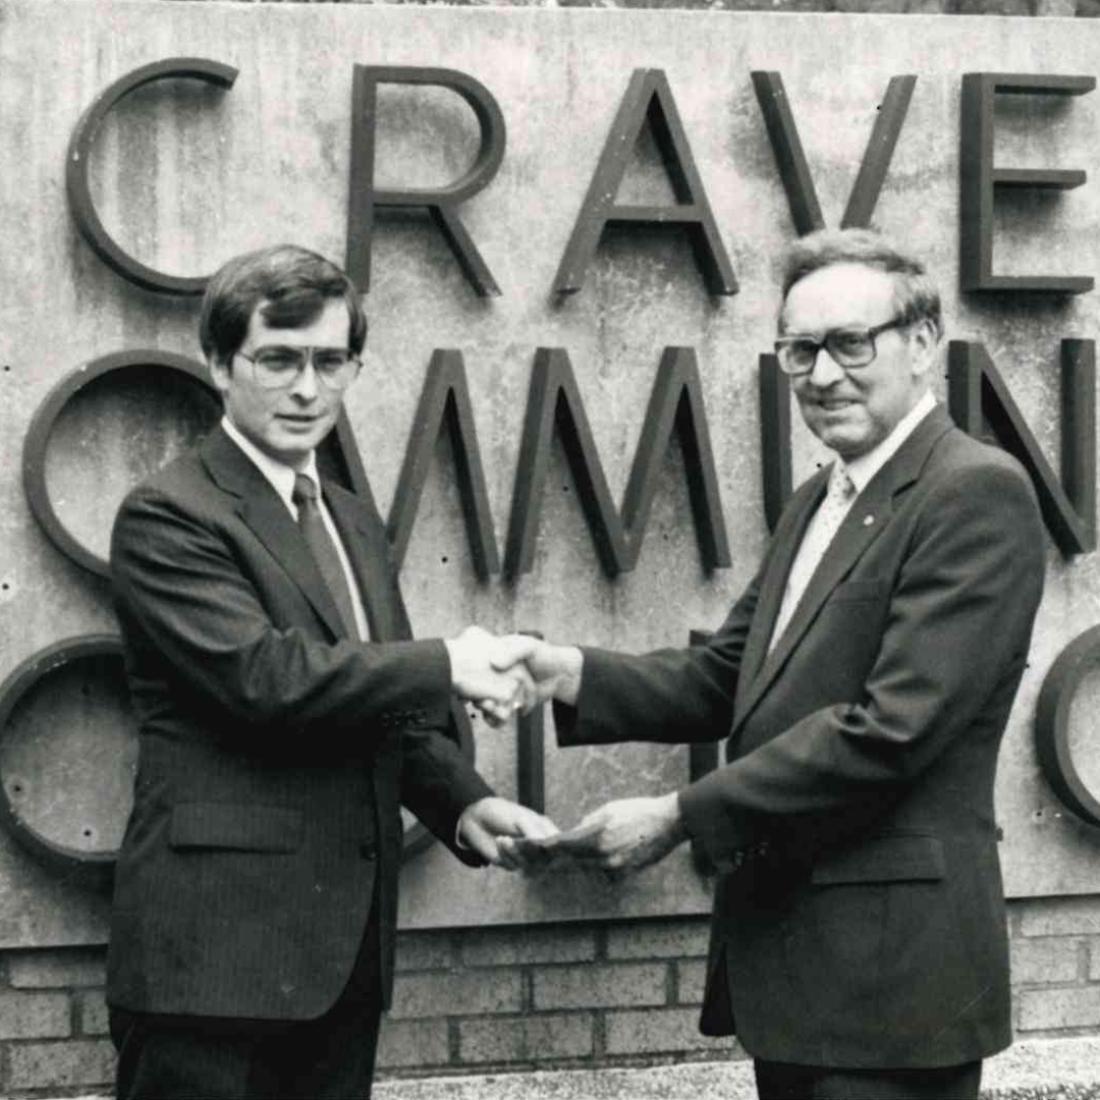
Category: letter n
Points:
column 982, row 405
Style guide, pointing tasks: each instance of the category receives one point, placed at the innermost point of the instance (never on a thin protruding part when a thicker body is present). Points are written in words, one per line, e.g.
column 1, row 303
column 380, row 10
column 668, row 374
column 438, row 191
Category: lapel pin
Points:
column 868, row 520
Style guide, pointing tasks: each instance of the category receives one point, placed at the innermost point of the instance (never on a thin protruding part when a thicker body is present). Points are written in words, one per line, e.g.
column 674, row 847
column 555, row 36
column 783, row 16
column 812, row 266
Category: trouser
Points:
column 781, row 1081
column 191, row 1057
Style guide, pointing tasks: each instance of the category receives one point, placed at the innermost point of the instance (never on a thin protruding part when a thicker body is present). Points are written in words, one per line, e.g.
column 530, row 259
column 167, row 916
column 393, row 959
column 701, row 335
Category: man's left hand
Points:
column 488, row 819
column 632, row 833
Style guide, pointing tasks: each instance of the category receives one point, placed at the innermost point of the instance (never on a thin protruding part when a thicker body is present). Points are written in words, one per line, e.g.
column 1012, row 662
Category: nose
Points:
column 305, row 386
column 824, row 372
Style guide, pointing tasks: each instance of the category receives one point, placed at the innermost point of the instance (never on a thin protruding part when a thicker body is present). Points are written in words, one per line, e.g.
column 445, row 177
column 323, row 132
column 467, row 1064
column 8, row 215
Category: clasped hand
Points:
column 511, row 674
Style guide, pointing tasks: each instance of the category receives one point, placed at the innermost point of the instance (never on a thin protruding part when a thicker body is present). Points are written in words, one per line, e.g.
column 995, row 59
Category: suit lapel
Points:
column 260, row 507
column 869, row 516
column 787, row 539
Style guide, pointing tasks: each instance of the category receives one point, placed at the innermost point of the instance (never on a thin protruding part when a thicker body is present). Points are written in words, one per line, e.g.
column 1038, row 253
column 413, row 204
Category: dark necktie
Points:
column 320, row 543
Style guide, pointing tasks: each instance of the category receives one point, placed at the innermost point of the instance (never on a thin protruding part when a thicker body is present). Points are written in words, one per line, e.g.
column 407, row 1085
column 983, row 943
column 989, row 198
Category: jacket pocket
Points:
column 898, row 857
column 239, row 827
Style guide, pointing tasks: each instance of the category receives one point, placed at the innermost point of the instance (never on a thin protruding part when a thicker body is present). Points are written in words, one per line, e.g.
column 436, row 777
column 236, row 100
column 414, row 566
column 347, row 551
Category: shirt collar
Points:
column 862, row 469
column 279, row 474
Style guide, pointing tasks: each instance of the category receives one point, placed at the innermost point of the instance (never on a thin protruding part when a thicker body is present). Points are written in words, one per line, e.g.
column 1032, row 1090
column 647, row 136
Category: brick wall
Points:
column 480, row 1000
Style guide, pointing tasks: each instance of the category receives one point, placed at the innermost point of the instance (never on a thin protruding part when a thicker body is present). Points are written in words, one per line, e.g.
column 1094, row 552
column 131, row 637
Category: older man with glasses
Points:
column 281, row 726
column 863, row 680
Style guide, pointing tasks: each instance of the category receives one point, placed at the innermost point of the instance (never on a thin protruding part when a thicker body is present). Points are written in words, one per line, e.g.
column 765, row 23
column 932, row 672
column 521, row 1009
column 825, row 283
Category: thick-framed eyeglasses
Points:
column 849, row 348
column 277, row 367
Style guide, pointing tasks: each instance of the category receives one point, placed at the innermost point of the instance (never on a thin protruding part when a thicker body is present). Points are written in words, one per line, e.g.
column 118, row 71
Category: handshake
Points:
column 510, row 674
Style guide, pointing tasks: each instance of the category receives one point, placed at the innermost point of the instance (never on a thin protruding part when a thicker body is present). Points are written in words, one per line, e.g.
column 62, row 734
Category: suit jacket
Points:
column 274, row 752
column 866, row 927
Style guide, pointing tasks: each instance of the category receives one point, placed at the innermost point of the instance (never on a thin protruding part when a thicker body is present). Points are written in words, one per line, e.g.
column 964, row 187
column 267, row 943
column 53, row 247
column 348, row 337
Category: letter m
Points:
column 554, row 405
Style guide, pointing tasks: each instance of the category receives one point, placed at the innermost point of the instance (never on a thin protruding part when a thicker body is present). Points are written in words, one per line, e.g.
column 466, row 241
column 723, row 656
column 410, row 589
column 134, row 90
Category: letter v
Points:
column 795, row 172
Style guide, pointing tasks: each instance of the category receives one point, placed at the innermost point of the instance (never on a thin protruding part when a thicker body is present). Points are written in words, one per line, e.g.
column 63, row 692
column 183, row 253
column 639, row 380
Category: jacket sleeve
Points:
column 438, row 783
column 181, row 594
column 670, row 695
column 954, row 645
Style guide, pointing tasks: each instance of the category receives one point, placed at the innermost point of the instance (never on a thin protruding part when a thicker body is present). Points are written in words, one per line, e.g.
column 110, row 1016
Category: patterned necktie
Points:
column 824, row 525
column 320, row 543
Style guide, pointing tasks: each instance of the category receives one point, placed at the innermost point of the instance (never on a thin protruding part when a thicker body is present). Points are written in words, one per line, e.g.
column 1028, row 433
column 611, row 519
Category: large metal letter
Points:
column 979, row 178
column 76, row 170
column 647, row 97
column 440, row 202
column 37, row 440
column 676, row 405
column 795, row 172
column 775, row 438
column 445, row 402
column 1052, row 733
column 981, row 405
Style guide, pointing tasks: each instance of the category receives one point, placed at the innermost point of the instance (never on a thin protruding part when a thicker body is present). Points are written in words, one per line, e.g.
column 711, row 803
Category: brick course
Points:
column 495, row 947
column 659, row 939
column 1058, row 1009
column 50, row 969
column 413, row 1043
column 530, row 1039
column 34, row 1016
column 82, row 1063
column 457, row 993
column 595, row 986
column 663, row 1030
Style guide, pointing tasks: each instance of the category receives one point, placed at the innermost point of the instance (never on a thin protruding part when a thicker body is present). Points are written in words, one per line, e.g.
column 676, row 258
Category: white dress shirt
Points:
column 281, row 478
column 860, row 471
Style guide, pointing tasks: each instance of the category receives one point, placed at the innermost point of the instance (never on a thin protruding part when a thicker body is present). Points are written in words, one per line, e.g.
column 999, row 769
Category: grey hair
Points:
column 917, row 297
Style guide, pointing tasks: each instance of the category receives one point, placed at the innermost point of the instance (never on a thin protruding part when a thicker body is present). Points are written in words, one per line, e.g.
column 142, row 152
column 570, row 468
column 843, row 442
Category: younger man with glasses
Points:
column 864, row 681
column 281, row 726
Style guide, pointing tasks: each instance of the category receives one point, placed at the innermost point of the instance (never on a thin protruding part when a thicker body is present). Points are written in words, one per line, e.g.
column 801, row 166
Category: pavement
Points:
column 1049, row 1069
column 1038, row 1069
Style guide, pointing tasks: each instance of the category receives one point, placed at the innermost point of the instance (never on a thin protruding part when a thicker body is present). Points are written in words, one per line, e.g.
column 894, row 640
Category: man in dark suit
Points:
column 282, row 724
column 864, row 680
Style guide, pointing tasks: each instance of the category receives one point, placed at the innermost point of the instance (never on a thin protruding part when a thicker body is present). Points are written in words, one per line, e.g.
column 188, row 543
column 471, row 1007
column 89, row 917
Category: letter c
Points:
column 1052, row 724
column 76, row 170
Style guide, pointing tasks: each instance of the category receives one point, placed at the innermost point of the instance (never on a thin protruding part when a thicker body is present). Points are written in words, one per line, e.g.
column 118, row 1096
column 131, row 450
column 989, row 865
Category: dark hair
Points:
column 915, row 292
column 290, row 284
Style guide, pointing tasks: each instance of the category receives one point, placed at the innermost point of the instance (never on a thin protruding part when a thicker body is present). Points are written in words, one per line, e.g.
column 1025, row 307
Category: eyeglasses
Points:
column 277, row 367
column 847, row 347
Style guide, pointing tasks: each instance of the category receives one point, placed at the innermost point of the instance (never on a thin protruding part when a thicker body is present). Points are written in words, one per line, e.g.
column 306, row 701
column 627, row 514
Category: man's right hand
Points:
column 489, row 671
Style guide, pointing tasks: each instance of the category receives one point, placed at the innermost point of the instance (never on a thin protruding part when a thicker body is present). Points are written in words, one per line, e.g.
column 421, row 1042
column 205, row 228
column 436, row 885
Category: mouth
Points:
column 835, row 404
column 298, row 421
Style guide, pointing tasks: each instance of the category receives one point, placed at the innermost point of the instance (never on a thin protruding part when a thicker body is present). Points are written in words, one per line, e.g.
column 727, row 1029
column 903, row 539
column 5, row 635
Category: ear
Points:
column 220, row 374
column 923, row 341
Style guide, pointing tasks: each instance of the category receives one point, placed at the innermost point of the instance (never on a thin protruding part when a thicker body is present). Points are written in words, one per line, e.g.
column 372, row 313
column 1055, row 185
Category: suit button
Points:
column 368, row 849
